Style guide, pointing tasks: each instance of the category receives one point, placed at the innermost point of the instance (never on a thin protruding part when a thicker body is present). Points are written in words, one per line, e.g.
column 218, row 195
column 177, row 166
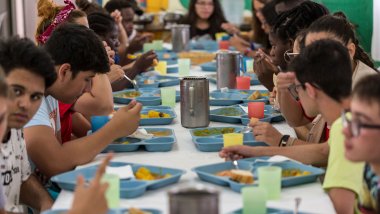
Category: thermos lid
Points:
column 194, row 78
column 227, row 52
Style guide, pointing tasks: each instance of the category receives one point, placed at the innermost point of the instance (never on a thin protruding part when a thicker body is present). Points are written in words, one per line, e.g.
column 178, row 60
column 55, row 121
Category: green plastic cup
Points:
column 270, row 180
column 158, row 45
column 249, row 65
column 184, row 67
column 168, row 97
column 148, row 46
column 254, row 200
column 113, row 191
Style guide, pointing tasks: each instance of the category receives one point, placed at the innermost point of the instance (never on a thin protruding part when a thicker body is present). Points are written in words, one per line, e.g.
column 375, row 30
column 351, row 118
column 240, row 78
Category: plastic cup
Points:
column 232, row 139
column 224, row 45
column 254, row 200
column 249, row 65
column 148, row 46
column 270, row 180
column 183, row 67
column 161, row 67
column 168, row 96
column 243, row 83
column 256, row 110
column 158, row 45
column 98, row 122
column 113, row 190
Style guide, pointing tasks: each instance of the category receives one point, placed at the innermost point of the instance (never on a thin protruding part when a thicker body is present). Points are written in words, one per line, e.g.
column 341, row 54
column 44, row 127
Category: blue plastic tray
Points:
column 207, row 172
column 157, row 81
column 157, row 121
column 209, row 67
column 206, row 45
column 148, row 97
column 270, row 115
column 156, row 144
column 270, row 211
column 166, row 55
column 214, row 143
column 130, row 188
column 111, row 211
column 234, row 96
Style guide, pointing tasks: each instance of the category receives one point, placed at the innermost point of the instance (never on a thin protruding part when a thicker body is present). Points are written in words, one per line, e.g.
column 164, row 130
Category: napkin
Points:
column 124, row 172
column 245, row 109
column 225, row 89
column 141, row 134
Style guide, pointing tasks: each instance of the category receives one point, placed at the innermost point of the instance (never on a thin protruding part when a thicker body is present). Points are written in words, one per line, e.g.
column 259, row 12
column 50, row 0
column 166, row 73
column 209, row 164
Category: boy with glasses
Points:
column 362, row 131
column 317, row 69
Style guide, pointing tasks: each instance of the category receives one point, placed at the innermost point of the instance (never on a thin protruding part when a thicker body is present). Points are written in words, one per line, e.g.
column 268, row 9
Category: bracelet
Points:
column 283, row 141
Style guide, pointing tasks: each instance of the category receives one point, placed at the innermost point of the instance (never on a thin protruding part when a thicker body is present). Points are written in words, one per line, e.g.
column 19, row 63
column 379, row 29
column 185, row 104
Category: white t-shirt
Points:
column 47, row 115
column 15, row 169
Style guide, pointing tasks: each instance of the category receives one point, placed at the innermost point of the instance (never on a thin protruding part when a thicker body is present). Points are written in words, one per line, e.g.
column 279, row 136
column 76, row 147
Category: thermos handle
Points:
column 191, row 91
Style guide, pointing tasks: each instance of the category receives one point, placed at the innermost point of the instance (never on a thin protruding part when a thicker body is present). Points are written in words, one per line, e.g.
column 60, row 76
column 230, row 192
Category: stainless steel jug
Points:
column 227, row 68
column 180, row 38
column 195, row 107
column 194, row 201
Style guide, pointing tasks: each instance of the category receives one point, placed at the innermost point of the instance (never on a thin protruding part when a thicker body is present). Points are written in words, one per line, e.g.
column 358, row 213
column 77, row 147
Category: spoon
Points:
column 297, row 204
column 246, row 129
column 134, row 83
column 234, row 162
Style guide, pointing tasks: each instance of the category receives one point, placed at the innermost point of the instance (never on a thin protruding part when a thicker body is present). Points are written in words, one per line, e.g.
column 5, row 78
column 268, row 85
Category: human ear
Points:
column 64, row 72
column 311, row 91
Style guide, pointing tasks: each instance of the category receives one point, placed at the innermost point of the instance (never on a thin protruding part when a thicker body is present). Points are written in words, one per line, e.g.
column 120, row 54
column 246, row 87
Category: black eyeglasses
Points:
column 354, row 126
column 289, row 56
column 293, row 89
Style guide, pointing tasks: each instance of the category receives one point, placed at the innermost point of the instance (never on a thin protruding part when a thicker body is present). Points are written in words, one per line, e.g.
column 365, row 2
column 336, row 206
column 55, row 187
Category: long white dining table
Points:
column 184, row 155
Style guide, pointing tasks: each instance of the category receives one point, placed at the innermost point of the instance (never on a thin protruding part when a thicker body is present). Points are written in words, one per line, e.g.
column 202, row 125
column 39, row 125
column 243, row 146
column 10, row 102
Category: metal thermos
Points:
column 195, row 107
column 194, row 201
column 180, row 37
column 227, row 68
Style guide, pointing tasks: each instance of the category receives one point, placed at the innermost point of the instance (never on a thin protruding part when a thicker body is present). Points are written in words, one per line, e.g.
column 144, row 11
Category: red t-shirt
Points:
column 65, row 114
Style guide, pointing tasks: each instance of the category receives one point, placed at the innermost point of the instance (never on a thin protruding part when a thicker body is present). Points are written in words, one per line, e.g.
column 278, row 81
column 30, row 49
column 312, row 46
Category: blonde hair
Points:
column 47, row 11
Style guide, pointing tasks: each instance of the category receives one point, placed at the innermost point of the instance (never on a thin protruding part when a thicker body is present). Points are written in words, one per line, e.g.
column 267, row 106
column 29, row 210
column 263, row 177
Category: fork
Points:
column 134, row 83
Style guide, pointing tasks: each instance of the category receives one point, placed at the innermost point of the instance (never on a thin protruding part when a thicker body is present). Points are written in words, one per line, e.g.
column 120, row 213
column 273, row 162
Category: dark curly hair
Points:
column 23, row 53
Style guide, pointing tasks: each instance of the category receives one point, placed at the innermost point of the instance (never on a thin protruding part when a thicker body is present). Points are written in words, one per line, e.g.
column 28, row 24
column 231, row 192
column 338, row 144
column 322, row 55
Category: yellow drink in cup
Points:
column 161, row 67
column 232, row 139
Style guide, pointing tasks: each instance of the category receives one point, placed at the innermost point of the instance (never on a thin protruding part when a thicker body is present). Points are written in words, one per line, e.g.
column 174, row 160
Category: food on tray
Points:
column 230, row 112
column 148, row 81
column 294, row 172
column 166, row 56
column 155, row 114
column 136, row 211
column 255, row 95
column 197, row 57
column 125, row 142
column 224, row 173
column 155, row 62
column 129, row 94
column 143, row 173
column 213, row 131
column 163, row 133
column 238, row 175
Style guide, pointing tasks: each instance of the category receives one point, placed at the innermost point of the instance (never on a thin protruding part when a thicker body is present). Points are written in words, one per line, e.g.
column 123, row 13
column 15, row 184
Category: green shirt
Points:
column 341, row 173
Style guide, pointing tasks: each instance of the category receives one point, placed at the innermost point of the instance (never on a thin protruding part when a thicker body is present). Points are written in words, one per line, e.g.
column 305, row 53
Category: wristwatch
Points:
column 283, row 141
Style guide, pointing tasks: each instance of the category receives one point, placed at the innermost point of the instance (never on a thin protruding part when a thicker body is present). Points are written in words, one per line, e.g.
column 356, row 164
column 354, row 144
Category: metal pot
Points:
column 195, row 107
column 227, row 68
column 180, row 37
column 194, row 201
